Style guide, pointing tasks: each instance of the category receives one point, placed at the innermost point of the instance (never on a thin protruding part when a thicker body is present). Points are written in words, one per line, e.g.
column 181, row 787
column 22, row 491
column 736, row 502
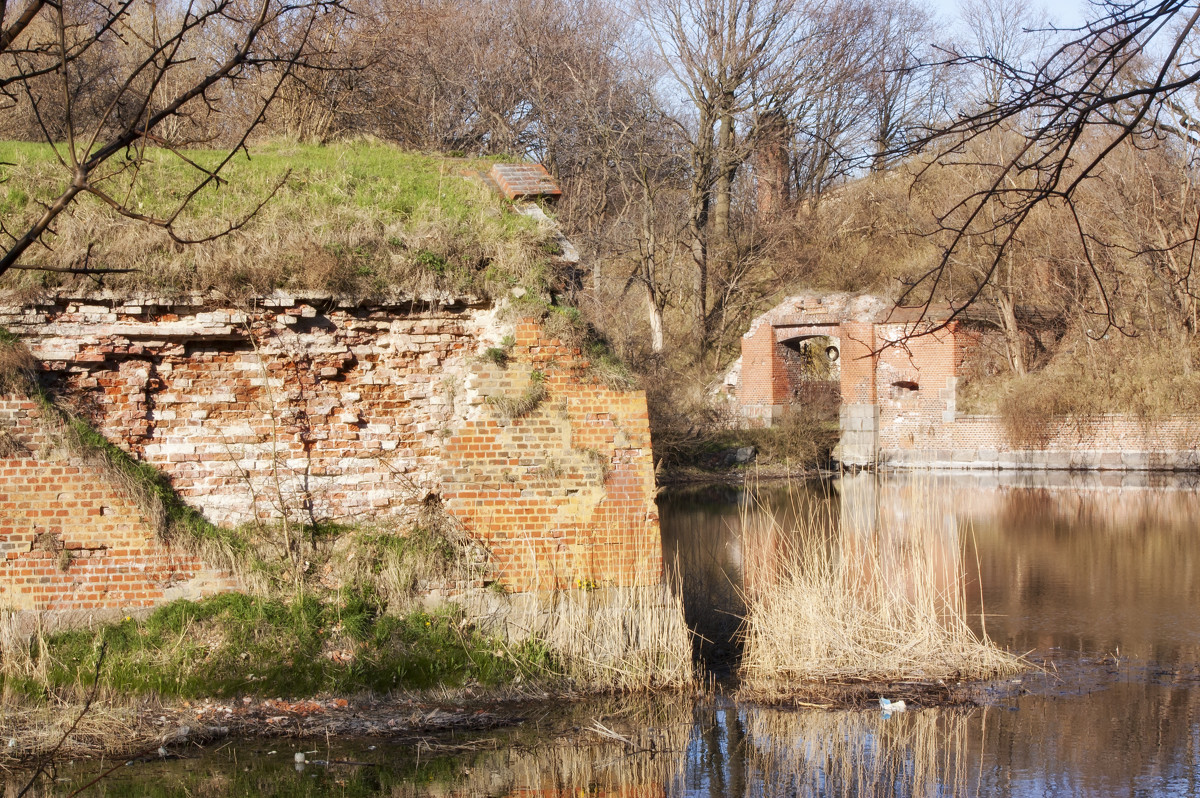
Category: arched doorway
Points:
column 813, row 367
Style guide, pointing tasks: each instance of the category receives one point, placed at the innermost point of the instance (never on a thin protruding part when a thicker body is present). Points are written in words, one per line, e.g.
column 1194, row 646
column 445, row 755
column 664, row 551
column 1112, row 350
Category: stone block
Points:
column 1057, row 460
column 1136, row 460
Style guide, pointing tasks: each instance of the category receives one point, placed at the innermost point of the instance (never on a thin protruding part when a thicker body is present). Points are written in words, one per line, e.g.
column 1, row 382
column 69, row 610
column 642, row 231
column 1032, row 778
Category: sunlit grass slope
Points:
column 358, row 218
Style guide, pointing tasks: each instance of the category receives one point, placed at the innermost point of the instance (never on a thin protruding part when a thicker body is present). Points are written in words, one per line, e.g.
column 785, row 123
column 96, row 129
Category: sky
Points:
column 1064, row 13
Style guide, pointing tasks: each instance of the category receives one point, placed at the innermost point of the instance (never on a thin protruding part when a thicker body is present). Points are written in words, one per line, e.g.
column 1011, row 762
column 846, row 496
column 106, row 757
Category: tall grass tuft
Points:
column 618, row 631
column 863, row 600
column 616, row 638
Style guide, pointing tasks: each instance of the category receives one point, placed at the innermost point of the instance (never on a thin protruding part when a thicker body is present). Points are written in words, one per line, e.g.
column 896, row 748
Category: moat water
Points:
column 1096, row 576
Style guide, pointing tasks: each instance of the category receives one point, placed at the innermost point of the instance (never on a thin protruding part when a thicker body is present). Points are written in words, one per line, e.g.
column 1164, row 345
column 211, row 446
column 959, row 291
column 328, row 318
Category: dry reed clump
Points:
column 629, row 634
column 865, row 603
column 614, row 638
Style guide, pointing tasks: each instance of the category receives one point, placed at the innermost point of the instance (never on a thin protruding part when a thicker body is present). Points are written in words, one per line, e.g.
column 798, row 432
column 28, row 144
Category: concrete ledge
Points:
column 1034, row 460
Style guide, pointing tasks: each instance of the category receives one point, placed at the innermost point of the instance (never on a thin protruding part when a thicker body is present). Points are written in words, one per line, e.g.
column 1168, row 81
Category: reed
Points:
column 603, row 625
column 615, row 638
column 860, row 598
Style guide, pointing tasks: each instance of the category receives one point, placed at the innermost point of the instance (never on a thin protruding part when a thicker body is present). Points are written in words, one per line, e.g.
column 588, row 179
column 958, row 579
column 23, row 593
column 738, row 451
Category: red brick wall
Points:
column 343, row 412
column 565, row 493
column 759, row 368
column 71, row 540
column 915, row 380
column 858, row 362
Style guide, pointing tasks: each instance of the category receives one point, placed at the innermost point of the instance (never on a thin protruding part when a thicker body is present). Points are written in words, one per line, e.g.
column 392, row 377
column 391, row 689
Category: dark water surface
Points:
column 1098, row 577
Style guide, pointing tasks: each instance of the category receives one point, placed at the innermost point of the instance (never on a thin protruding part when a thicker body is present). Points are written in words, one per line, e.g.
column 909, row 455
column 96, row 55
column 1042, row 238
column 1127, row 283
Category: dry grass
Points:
column 629, row 634
column 38, row 730
column 17, row 364
column 859, row 602
column 1145, row 377
column 510, row 407
column 616, row 638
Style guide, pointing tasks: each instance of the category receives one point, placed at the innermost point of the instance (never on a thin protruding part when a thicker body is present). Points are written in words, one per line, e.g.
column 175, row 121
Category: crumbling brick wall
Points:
column 564, row 494
column 335, row 411
column 72, row 540
column 900, row 373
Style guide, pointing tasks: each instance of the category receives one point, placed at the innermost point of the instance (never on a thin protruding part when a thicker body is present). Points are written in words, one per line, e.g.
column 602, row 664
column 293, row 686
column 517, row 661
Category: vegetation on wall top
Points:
column 360, row 218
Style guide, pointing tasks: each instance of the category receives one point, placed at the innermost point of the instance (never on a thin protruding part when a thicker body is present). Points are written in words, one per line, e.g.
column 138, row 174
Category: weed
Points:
column 530, row 399
column 497, row 356
column 602, row 462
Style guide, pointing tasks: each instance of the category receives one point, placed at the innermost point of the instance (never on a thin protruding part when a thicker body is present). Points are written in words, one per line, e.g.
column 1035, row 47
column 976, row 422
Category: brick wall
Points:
column 71, row 540
column 1109, row 442
column 758, row 384
column 565, row 492
column 899, row 403
column 336, row 411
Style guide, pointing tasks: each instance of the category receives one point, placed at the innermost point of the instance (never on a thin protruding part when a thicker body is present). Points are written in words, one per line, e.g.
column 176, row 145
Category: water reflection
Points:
column 763, row 752
column 1099, row 577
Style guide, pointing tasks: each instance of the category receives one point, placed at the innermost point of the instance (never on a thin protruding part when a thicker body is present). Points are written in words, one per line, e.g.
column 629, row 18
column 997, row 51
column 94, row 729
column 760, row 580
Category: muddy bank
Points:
column 132, row 731
column 152, row 730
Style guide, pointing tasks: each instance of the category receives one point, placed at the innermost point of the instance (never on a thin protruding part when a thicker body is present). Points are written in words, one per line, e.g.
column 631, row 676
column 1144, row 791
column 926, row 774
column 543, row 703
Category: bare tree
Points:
column 105, row 83
column 906, row 89
column 735, row 60
column 1001, row 35
column 1118, row 81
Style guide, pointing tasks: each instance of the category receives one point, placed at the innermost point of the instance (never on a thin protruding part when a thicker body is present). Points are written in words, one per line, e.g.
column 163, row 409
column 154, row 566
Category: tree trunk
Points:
column 655, row 315
column 698, row 218
column 1012, row 333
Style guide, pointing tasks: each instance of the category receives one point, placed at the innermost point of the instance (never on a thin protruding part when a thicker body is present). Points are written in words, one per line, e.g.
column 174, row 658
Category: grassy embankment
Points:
column 362, row 219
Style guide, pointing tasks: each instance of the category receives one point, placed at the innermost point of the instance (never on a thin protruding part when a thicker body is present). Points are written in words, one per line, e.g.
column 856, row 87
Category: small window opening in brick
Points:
column 906, row 385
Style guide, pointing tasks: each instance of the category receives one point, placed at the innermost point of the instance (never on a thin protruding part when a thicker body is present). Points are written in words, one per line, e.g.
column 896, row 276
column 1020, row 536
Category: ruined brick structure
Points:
column 71, row 540
column 898, row 380
column 330, row 411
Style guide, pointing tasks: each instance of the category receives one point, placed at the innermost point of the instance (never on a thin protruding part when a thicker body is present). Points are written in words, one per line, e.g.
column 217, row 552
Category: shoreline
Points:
column 145, row 729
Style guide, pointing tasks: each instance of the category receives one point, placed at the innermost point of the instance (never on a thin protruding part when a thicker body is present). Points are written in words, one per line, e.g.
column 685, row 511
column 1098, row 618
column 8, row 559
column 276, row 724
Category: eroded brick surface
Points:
column 328, row 411
column 71, row 540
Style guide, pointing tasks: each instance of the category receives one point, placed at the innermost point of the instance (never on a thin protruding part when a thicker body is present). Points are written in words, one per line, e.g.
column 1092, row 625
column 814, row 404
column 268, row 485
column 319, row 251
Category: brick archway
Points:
column 875, row 347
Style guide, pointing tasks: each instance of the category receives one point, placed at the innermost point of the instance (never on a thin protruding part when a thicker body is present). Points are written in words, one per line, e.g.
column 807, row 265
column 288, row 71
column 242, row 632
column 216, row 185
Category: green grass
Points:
column 357, row 218
column 235, row 644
